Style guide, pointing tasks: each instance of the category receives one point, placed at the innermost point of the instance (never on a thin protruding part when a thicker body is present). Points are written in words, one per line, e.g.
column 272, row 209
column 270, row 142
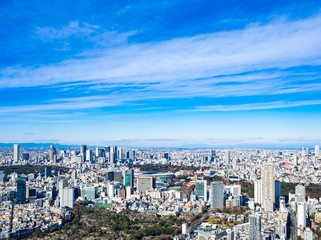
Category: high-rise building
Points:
column 47, row 171
column 52, row 154
column 300, row 193
column 21, row 190
column 277, row 192
column 317, row 151
column 67, row 197
column 255, row 227
column 129, row 178
column 131, row 155
column 16, row 152
column 217, row 195
column 258, row 191
column 201, row 190
column 83, row 149
column 236, row 190
column 268, row 185
column 145, row 183
column 113, row 155
column 89, row 155
column 227, row 157
column 301, row 215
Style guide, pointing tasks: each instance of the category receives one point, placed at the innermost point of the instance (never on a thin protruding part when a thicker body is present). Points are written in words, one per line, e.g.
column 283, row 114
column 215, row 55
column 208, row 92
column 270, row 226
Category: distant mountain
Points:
column 38, row 145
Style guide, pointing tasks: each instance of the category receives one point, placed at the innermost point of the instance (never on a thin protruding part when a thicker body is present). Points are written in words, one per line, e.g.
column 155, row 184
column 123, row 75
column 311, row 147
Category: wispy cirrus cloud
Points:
column 257, row 106
column 279, row 44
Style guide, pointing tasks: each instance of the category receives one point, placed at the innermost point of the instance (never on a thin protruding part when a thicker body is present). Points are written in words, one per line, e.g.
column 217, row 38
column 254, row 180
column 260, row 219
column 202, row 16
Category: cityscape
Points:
column 203, row 193
column 160, row 120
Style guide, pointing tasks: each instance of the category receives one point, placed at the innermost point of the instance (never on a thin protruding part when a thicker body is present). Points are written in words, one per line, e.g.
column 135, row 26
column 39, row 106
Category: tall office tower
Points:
column 236, row 190
column 300, row 193
column 16, row 152
column 165, row 155
column 217, row 195
column 301, row 215
column 113, row 155
column 25, row 156
column 268, row 185
column 131, row 155
column 120, row 153
column 67, row 197
column 303, row 152
column 107, row 153
column 255, row 227
column 89, row 155
column 213, row 155
column 52, row 154
column 258, row 191
column 227, row 157
column 48, row 171
column 62, row 183
column 145, row 183
column 83, row 149
column 111, row 190
column 317, row 151
column 201, row 190
column 277, row 192
column 21, row 190
column 97, row 152
column 129, row 178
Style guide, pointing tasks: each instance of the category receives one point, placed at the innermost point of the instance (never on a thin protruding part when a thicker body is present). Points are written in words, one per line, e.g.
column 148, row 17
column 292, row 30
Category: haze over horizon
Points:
column 161, row 73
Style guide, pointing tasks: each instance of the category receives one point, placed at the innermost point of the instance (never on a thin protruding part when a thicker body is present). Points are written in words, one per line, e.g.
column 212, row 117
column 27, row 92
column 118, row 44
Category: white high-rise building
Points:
column 16, row 152
column 301, row 215
column 255, row 227
column 300, row 193
column 201, row 189
column 258, row 192
column 227, row 157
column 111, row 190
column 317, row 151
column 89, row 155
column 67, row 199
column 236, row 190
column 268, row 185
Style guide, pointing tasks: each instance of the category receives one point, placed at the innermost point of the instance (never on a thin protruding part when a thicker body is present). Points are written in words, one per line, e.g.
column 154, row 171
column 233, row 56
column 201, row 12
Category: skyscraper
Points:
column 52, row 154
column 129, row 178
column 255, row 227
column 217, row 195
column 227, row 157
column 89, row 155
column 16, row 152
column 113, row 155
column 277, row 192
column 48, row 171
column 317, row 151
column 21, row 190
column 258, row 191
column 83, row 149
column 201, row 190
column 145, row 183
column 301, row 215
column 268, row 185
column 67, row 197
column 300, row 193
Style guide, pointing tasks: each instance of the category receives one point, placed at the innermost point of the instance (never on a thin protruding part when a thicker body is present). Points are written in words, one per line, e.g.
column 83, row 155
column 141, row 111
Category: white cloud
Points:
column 257, row 106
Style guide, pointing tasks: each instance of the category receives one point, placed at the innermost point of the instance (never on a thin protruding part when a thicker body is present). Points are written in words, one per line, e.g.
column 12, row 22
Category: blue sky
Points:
column 161, row 73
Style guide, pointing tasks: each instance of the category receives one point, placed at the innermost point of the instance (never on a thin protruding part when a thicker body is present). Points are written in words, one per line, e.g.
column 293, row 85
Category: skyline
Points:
column 161, row 74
